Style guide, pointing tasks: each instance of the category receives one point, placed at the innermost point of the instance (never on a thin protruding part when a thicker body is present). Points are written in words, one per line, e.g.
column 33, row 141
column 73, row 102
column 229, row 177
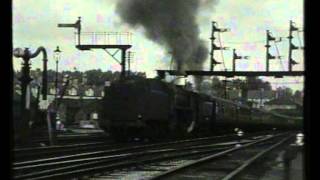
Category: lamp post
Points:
column 56, row 55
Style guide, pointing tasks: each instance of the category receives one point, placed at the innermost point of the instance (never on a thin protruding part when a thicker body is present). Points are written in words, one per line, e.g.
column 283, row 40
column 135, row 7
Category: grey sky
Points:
column 35, row 24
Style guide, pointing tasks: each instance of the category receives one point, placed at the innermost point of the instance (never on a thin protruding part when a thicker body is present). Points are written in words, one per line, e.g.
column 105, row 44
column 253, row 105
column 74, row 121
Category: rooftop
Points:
column 258, row 94
column 281, row 101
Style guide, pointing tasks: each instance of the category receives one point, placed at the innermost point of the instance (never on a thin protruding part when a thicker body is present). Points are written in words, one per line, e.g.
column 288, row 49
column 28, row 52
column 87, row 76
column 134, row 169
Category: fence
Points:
column 104, row 38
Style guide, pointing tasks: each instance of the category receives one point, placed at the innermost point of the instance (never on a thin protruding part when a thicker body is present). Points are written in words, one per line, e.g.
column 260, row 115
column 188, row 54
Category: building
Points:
column 79, row 101
column 258, row 98
column 234, row 94
column 281, row 104
column 285, row 106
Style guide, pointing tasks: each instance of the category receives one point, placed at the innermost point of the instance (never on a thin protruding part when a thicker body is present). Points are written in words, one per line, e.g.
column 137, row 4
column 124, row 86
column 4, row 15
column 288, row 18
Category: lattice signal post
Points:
column 291, row 46
column 214, row 47
column 107, row 44
column 268, row 55
column 235, row 57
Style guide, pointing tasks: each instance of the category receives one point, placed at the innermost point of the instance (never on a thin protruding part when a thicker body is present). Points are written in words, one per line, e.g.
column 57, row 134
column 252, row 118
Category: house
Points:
column 234, row 94
column 78, row 103
column 284, row 106
column 258, row 98
column 281, row 103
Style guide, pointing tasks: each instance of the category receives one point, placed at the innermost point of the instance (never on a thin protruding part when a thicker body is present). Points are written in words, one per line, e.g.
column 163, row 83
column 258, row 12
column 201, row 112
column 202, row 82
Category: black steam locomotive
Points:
column 154, row 108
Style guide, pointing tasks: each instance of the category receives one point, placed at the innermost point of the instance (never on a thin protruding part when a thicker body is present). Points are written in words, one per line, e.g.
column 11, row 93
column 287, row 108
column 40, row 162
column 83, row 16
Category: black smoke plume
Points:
column 172, row 24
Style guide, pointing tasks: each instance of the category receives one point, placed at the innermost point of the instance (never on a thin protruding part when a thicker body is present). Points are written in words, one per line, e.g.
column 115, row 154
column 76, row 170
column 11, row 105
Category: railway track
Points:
column 66, row 138
column 29, row 154
column 91, row 163
column 225, row 165
column 174, row 167
column 34, row 153
column 69, row 138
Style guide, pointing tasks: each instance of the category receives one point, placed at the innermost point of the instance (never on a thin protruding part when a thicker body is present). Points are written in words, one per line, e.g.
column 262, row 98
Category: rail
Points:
column 86, row 164
column 178, row 169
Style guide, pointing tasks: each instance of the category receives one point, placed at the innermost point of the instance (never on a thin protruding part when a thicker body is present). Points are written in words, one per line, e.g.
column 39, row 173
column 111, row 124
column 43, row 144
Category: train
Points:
column 153, row 108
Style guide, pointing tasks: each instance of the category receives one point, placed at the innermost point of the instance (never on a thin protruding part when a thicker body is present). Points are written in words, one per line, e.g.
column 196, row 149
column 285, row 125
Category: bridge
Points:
column 277, row 74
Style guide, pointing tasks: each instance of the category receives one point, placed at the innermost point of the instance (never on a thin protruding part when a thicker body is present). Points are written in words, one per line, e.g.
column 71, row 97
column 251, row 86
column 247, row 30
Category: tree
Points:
column 284, row 93
column 288, row 92
column 298, row 94
column 255, row 83
column 206, row 87
column 217, row 87
column 95, row 77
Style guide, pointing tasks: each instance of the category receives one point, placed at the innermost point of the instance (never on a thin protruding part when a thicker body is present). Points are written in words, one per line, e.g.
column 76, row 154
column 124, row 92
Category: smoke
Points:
column 172, row 24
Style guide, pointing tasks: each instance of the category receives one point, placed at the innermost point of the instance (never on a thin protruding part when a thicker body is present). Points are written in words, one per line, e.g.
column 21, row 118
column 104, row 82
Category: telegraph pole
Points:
column 123, row 63
column 291, row 46
column 214, row 47
column 130, row 57
column 268, row 55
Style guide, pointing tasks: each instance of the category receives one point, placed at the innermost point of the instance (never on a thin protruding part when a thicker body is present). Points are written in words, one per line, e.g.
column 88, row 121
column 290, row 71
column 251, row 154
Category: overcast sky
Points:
column 35, row 24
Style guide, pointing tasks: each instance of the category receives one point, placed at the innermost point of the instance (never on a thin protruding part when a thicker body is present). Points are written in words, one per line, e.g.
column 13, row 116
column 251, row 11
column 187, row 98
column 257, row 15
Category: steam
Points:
column 172, row 24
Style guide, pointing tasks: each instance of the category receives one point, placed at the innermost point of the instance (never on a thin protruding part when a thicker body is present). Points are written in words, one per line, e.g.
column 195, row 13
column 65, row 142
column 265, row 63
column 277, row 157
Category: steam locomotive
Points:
column 155, row 109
